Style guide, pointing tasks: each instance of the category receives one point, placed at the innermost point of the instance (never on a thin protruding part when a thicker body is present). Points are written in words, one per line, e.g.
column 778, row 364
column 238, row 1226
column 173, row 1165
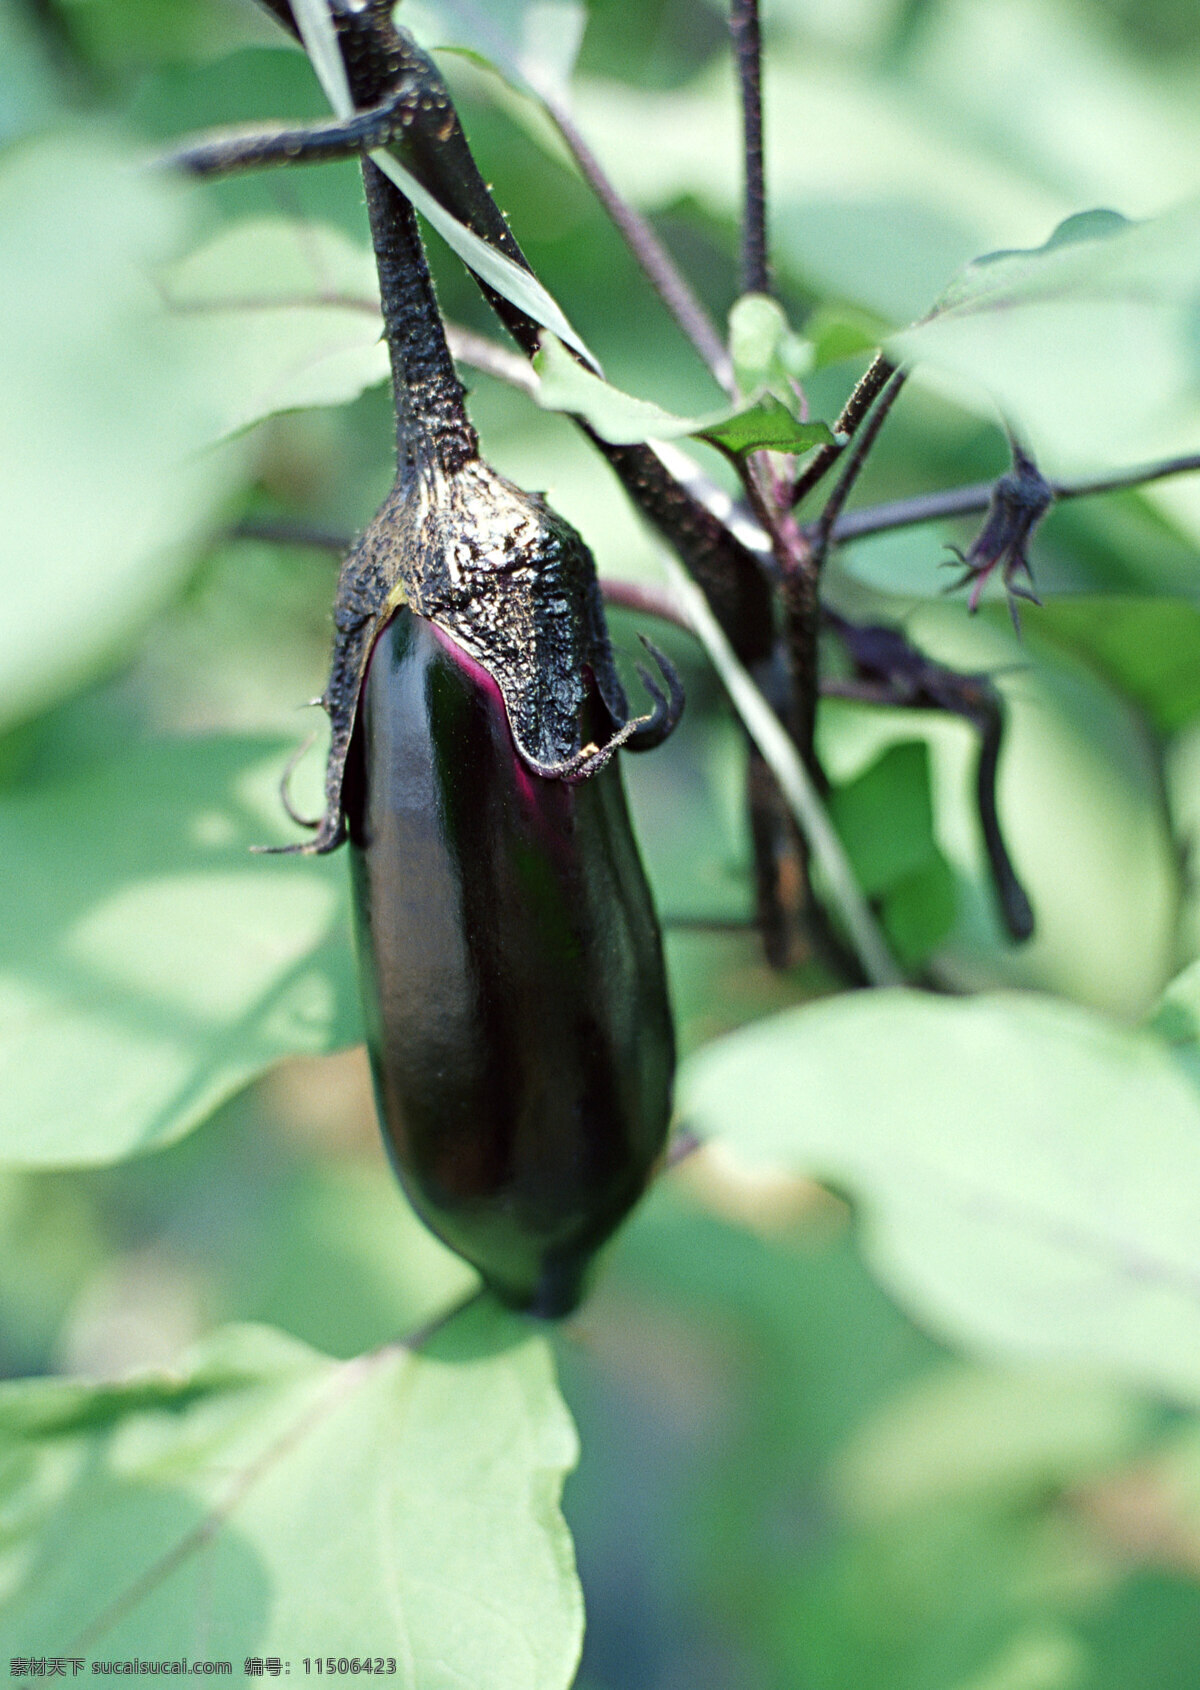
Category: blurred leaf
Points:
column 149, row 965
column 884, row 817
column 51, row 1243
column 1147, row 1634
column 1030, row 1174
column 841, row 332
column 1079, row 113
column 532, row 43
column 1176, row 1016
column 336, row 1256
column 1147, row 647
column 1080, row 800
column 28, row 92
column 766, row 352
column 621, row 419
column 1090, row 344
column 135, row 33
column 919, row 911
column 261, row 1499
column 970, row 1431
column 105, row 413
column 292, row 307
column 1181, row 771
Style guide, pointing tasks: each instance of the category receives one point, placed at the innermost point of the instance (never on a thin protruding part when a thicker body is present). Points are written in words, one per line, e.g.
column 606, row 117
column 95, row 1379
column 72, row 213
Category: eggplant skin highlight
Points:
column 512, row 974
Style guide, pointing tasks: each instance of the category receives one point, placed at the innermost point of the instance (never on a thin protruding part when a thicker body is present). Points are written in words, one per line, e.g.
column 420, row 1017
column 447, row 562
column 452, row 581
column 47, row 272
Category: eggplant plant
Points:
column 889, row 1381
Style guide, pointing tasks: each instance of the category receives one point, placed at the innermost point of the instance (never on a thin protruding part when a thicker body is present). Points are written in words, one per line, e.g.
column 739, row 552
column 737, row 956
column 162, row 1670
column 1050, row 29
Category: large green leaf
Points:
column 263, row 1500
column 107, row 411
column 292, row 307
column 149, row 965
column 1029, row 1174
column 1090, row 344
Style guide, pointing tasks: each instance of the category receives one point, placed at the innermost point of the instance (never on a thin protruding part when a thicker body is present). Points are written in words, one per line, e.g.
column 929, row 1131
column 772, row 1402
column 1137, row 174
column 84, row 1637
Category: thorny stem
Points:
column 434, row 149
column 747, row 48
column 871, row 384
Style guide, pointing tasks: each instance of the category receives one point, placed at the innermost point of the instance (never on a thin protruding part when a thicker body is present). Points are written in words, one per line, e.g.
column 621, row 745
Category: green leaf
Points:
column 263, row 1500
column 1090, row 344
column 622, row 419
column 884, row 817
column 149, row 965
column 919, row 911
column 107, row 413
column 1029, row 1174
column 28, row 95
column 766, row 352
column 289, row 309
column 1149, row 648
column 532, row 43
column 963, row 1430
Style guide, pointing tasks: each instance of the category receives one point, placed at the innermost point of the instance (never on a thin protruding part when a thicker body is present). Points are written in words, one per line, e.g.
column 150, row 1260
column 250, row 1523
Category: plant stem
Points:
column 974, row 499
column 863, row 443
column 490, row 358
column 871, row 384
column 796, row 784
column 747, row 48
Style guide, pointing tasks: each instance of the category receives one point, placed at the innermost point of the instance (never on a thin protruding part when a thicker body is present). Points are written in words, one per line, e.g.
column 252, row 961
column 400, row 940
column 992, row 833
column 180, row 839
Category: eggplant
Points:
column 512, row 975
column 510, row 962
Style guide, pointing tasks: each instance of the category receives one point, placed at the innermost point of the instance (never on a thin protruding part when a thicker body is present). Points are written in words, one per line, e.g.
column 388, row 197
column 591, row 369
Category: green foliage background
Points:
column 930, row 1425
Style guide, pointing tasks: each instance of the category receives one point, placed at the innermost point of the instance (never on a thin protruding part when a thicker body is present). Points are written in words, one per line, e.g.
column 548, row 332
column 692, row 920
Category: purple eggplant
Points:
column 511, row 971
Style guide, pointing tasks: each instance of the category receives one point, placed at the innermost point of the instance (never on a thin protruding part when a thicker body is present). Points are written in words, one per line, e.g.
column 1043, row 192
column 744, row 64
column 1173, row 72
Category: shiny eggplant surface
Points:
column 512, row 975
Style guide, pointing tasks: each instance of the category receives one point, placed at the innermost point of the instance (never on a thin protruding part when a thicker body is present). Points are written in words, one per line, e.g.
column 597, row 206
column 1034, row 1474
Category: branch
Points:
column 747, row 48
column 974, row 499
column 863, row 443
column 871, row 384
column 285, row 531
column 490, row 358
